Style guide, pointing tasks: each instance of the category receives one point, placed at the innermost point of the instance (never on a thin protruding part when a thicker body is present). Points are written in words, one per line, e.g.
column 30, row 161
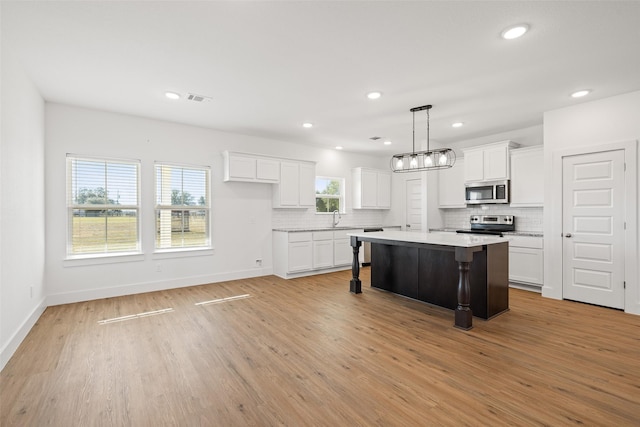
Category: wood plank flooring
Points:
column 306, row 352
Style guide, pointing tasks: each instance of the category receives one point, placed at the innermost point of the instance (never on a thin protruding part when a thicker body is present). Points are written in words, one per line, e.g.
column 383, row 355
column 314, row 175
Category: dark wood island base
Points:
column 472, row 280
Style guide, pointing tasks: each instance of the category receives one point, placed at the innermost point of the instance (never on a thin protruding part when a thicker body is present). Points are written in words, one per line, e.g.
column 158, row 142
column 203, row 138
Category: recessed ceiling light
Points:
column 339, row 147
column 580, row 93
column 374, row 95
column 514, row 32
column 172, row 95
column 307, row 125
column 387, row 142
column 457, row 125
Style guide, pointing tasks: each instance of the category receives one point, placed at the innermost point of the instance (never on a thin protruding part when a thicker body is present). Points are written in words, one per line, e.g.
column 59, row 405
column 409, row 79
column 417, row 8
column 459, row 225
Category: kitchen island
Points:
column 464, row 272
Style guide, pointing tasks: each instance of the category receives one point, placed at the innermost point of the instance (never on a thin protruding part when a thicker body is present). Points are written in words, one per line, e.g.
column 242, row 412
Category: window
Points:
column 182, row 206
column 103, row 206
column 329, row 194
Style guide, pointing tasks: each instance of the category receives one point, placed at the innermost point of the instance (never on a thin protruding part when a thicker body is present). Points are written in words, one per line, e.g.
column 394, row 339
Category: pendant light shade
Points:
column 417, row 161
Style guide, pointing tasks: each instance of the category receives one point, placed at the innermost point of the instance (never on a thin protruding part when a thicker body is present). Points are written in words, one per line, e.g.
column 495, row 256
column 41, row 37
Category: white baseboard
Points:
column 138, row 288
column 21, row 333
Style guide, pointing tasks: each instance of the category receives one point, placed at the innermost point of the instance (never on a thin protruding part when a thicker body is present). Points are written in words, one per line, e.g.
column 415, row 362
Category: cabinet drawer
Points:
column 526, row 242
column 323, row 235
column 342, row 234
column 299, row 237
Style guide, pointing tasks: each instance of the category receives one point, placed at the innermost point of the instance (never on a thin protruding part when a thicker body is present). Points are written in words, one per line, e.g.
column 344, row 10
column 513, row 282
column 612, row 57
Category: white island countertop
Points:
column 443, row 239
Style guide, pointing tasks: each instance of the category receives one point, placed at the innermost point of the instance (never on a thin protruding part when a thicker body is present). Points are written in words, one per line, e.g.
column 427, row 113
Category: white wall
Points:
column 584, row 128
column 22, row 256
column 242, row 213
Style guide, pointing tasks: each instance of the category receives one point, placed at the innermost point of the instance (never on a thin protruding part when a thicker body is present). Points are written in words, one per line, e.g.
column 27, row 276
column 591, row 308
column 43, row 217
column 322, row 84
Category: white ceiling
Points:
column 270, row 66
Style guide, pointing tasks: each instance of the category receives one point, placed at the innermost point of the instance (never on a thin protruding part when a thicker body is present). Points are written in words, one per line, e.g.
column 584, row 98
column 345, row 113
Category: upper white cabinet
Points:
column 296, row 188
column 250, row 168
column 371, row 188
column 451, row 186
column 527, row 177
column 488, row 162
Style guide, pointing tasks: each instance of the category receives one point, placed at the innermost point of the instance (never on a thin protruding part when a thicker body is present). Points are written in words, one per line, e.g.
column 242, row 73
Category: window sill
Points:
column 182, row 253
column 81, row 260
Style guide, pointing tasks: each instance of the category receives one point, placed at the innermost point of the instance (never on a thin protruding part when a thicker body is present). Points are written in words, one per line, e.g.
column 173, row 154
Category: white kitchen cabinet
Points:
column 292, row 252
column 451, row 186
column 342, row 250
column 526, row 260
column 371, row 188
column 488, row 162
column 302, row 253
column 322, row 249
column 527, row 177
column 296, row 188
column 250, row 168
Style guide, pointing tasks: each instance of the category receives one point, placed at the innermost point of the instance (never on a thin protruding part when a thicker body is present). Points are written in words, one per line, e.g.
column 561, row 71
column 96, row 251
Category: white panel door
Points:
column 384, row 190
column 289, row 184
column 593, row 228
column 414, row 204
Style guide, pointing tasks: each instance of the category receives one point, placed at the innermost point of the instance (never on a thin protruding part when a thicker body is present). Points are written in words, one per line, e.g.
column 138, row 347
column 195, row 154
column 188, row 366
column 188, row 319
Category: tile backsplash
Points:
column 527, row 220
column 307, row 218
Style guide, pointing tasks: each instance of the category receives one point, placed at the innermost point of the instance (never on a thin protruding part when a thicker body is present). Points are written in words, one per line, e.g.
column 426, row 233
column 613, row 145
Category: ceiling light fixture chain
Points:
column 417, row 161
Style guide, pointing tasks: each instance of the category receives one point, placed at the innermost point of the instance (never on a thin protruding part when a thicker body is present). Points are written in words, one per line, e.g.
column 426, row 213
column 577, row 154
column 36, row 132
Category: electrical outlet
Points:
column 31, row 291
column 158, row 267
column 258, row 263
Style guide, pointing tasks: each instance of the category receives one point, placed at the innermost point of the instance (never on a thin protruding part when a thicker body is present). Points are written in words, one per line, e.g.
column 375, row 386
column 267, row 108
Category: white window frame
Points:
column 71, row 206
column 160, row 207
column 341, row 197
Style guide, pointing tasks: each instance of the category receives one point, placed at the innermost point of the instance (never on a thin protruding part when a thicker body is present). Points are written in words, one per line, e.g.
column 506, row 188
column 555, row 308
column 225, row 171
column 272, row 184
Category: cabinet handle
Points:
column 567, row 235
column 408, row 225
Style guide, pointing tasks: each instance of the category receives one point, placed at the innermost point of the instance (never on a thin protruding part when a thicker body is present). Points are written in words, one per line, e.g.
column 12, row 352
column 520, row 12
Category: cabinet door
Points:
column 473, row 165
column 451, row 186
column 300, row 256
column 323, row 253
column 289, row 184
column 306, row 190
column 242, row 167
column 384, row 190
column 268, row 170
column 342, row 252
column 496, row 163
column 526, row 265
column 369, row 189
column 527, row 177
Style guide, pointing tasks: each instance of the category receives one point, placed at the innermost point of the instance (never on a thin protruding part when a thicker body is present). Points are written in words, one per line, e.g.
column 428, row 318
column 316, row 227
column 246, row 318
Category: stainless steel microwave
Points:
column 477, row 193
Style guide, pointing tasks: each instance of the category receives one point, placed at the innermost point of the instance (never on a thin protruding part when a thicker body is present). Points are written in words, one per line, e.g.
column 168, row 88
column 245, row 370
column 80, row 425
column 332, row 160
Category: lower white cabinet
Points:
column 526, row 260
column 299, row 253
column 322, row 249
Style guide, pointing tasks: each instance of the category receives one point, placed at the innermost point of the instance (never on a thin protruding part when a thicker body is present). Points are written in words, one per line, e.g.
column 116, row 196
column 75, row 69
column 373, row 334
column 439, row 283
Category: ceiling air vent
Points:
column 198, row 98
column 375, row 138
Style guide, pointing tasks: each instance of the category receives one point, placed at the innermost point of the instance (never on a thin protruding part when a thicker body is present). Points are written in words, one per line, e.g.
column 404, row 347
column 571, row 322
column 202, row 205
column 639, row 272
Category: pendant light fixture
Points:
column 417, row 161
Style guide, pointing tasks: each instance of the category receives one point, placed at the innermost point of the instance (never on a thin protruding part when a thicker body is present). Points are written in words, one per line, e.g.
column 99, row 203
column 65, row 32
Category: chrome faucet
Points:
column 334, row 217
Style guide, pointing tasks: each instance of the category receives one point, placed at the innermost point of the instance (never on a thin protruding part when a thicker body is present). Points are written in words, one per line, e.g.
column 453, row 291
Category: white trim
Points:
column 553, row 241
column 21, row 333
column 142, row 287
column 102, row 258
column 182, row 252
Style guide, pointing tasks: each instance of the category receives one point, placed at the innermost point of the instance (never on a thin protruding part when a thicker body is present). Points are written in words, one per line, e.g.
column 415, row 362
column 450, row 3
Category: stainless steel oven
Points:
column 490, row 224
column 367, row 247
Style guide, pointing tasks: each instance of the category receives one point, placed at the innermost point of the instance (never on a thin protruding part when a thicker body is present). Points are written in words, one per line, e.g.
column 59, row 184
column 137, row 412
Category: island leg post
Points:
column 355, row 285
column 464, row 316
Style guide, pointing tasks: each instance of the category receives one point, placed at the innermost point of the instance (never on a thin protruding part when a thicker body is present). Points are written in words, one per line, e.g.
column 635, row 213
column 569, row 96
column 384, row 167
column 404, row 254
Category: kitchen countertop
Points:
column 346, row 227
column 442, row 239
column 506, row 233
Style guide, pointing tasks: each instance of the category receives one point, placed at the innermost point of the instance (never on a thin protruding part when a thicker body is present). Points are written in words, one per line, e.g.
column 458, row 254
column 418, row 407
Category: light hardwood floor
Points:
column 307, row 352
